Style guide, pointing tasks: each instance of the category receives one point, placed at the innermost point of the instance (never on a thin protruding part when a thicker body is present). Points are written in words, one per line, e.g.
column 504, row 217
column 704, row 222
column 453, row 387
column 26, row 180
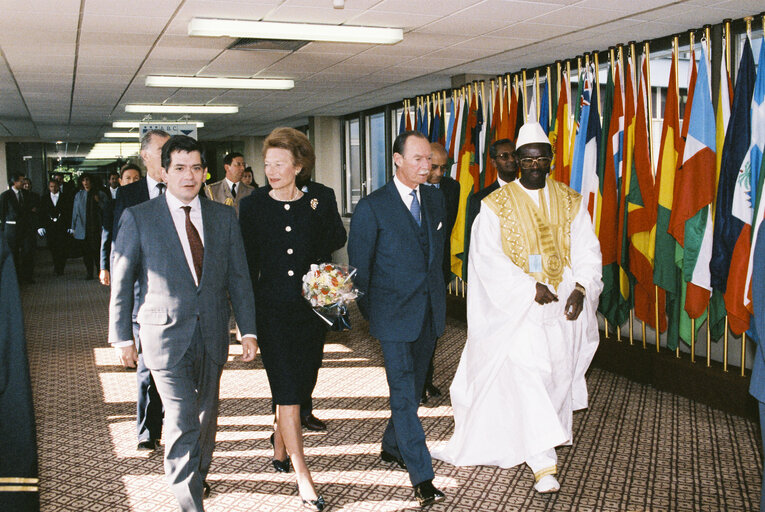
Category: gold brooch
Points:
column 314, row 203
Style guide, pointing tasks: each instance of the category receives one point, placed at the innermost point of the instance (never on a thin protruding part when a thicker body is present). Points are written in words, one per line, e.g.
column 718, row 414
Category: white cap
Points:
column 531, row 133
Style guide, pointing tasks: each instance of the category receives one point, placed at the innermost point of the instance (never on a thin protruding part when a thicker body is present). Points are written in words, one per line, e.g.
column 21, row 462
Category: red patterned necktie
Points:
column 195, row 242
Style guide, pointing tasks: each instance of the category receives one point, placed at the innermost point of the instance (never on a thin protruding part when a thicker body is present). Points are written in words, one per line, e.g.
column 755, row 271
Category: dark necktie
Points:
column 233, row 190
column 161, row 188
column 195, row 242
column 20, row 197
column 415, row 207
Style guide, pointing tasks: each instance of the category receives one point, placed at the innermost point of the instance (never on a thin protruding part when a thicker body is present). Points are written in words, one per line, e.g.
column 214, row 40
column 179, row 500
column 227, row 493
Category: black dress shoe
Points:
column 281, row 466
column 311, row 422
column 149, row 445
column 426, row 494
column 317, row 504
column 389, row 457
column 206, row 490
column 433, row 391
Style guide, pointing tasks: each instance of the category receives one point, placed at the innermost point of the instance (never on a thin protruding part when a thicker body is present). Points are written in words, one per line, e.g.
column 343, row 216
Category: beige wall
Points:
column 3, row 168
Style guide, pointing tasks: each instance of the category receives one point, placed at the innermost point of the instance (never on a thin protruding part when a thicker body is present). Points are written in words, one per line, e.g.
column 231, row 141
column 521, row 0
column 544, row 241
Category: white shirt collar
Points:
column 501, row 182
column 175, row 204
column 54, row 196
column 231, row 183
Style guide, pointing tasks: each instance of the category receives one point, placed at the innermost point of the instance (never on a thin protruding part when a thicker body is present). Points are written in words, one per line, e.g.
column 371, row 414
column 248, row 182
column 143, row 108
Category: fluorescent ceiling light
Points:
column 122, row 135
column 136, row 124
column 182, row 109
column 113, row 150
column 294, row 31
column 200, row 82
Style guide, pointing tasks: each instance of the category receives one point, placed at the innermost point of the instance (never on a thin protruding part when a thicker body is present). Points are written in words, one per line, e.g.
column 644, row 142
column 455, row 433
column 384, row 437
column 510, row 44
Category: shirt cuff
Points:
column 249, row 336
column 122, row 344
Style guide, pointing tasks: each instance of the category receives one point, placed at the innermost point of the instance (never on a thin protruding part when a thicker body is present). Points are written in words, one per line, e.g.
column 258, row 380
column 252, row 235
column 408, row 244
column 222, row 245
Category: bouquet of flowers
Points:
column 328, row 287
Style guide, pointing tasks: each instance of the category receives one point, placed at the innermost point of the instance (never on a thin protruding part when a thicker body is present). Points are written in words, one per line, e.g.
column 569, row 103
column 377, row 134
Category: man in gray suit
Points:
column 187, row 255
column 230, row 190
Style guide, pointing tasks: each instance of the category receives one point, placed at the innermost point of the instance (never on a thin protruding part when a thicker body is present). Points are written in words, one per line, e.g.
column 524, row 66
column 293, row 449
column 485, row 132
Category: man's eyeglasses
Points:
column 530, row 163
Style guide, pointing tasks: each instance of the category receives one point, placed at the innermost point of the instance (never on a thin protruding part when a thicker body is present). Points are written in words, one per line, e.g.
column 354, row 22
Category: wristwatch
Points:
column 581, row 289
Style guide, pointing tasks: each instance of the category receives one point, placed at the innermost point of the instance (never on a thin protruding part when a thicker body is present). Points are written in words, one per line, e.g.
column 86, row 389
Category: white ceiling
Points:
column 68, row 67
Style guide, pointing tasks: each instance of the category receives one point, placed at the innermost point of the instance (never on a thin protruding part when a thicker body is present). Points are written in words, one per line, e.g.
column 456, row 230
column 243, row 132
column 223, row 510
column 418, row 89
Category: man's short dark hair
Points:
column 230, row 157
column 15, row 176
column 114, row 173
column 400, row 142
column 494, row 145
column 181, row 143
column 146, row 139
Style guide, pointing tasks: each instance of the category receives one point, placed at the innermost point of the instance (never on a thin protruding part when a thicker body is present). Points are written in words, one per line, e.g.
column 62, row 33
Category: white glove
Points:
column 70, row 231
column 41, row 231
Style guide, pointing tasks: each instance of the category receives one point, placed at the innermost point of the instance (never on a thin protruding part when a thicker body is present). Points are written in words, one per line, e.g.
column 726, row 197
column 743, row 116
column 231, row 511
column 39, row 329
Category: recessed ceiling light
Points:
column 122, row 135
column 293, row 31
column 182, row 109
column 136, row 124
column 201, row 82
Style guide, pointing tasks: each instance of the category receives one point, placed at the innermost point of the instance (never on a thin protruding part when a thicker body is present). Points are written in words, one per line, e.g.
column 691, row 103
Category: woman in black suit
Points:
column 286, row 230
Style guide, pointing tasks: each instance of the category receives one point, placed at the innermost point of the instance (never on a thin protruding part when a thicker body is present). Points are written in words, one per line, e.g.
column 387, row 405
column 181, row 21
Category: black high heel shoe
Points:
column 281, row 466
column 316, row 505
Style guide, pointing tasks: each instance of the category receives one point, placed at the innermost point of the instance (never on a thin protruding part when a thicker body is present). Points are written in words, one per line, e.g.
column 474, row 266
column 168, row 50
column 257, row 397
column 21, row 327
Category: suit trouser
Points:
column 762, row 433
column 189, row 393
column 405, row 367
column 149, row 405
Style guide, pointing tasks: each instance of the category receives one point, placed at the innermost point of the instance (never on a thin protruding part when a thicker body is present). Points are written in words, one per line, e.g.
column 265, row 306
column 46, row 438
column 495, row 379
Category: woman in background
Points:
column 87, row 214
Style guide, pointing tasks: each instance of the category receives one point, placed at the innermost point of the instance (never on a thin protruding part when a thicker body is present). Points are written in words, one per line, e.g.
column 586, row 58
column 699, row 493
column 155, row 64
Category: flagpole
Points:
column 675, row 63
column 597, row 79
column 525, row 98
column 725, row 346
column 568, row 96
column 743, row 355
column 536, row 93
column 693, row 340
column 727, row 45
column 709, row 341
column 549, row 94
column 619, row 327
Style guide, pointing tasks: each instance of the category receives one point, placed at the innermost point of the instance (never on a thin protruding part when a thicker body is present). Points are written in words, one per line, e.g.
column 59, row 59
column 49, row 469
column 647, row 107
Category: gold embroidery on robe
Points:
column 530, row 229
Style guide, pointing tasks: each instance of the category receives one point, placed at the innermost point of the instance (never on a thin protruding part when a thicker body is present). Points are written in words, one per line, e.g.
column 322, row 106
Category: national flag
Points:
column 402, row 121
column 641, row 215
column 520, row 112
column 753, row 162
column 544, row 109
column 584, row 167
column 503, row 123
column 691, row 215
column 436, row 133
column 559, row 138
column 467, row 171
column 666, row 273
column 490, row 172
column 450, row 125
column 605, row 227
column 727, row 227
column 626, row 280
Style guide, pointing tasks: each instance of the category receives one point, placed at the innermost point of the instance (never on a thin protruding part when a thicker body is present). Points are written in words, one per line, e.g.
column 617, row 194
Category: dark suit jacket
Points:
column 757, row 383
column 473, row 209
column 55, row 219
column 333, row 230
column 396, row 276
column 451, row 190
column 17, row 220
column 127, row 196
column 17, row 424
column 170, row 304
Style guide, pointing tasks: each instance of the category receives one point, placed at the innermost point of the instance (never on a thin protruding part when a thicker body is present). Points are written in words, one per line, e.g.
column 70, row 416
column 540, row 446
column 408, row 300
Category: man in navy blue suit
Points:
column 396, row 243
column 149, row 404
column 757, row 384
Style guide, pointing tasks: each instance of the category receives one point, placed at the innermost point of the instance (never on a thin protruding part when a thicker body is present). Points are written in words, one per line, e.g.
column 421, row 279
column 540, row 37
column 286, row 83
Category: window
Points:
column 367, row 160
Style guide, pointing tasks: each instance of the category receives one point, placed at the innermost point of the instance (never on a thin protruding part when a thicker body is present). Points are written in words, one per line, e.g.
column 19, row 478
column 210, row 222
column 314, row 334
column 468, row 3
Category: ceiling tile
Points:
column 241, row 63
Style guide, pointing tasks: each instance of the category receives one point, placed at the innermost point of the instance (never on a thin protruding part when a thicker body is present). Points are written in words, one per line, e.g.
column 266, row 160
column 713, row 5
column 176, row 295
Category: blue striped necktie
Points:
column 415, row 208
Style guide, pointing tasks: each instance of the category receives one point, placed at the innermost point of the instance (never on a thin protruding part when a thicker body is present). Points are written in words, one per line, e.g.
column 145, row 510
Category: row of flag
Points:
column 677, row 240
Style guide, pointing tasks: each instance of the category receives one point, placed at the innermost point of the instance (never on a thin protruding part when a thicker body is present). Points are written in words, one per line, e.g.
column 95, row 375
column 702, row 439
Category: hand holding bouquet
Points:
column 328, row 287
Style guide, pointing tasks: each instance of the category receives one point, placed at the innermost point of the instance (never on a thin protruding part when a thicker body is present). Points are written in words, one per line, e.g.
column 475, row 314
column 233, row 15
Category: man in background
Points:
column 17, row 224
column 230, row 190
column 53, row 220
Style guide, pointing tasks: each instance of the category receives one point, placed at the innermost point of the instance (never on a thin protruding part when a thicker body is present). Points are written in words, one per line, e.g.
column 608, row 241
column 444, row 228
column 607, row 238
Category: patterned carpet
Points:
column 636, row 449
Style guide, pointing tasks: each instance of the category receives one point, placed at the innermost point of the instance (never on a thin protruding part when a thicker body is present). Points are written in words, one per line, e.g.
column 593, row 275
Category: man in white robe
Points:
column 535, row 277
